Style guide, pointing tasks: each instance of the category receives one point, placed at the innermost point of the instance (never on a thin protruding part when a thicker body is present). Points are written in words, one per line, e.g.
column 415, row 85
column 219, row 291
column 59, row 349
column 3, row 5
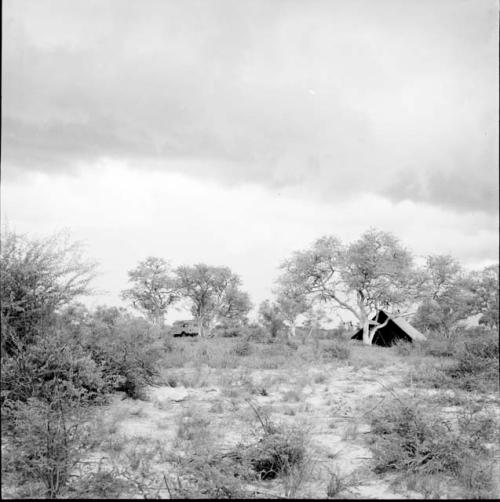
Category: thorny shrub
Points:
column 212, row 475
column 47, row 441
column 127, row 352
column 472, row 364
column 53, row 360
column 275, row 454
column 409, row 440
column 278, row 450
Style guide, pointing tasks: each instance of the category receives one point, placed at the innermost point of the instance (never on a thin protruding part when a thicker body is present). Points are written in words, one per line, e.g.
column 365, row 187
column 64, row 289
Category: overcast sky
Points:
column 234, row 132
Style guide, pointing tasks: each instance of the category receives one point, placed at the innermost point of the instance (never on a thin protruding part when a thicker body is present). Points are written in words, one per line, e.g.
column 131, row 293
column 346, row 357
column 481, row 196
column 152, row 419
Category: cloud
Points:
column 394, row 98
column 125, row 216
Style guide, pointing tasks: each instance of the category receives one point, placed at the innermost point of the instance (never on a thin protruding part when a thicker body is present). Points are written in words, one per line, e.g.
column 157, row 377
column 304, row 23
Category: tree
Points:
column 153, row 290
column 271, row 317
column 485, row 300
column 315, row 316
column 233, row 312
column 291, row 302
column 39, row 276
column 214, row 294
column 375, row 272
column 446, row 295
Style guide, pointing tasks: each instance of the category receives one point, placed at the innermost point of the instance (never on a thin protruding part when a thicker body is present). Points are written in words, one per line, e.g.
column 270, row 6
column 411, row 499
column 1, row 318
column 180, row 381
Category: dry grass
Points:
column 340, row 484
column 207, row 440
column 292, row 395
column 411, row 439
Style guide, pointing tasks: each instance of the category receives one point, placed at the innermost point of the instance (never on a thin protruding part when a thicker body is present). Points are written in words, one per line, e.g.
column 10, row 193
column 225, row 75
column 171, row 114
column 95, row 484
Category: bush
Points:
column 439, row 346
column 46, row 387
column 254, row 333
column 337, row 349
column 471, row 365
column 477, row 364
column 127, row 351
column 483, row 345
column 279, row 450
column 102, row 484
column 46, row 440
column 409, row 440
column 275, row 454
column 242, row 348
column 54, row 360
column 38, row 277
column 210, row 475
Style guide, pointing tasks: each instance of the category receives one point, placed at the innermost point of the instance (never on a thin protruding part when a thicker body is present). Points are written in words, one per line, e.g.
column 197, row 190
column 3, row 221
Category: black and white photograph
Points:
column 250, row 249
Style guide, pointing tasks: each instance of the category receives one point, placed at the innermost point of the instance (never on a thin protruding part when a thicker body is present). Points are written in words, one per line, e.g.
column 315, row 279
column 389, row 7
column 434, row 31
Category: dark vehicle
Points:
column 185, row 328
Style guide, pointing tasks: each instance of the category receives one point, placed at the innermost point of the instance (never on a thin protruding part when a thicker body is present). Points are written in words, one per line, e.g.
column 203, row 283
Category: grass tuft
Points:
column 336, row 349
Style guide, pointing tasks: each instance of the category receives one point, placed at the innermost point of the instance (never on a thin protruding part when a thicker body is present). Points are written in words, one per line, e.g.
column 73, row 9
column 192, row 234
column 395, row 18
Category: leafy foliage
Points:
column 477, row 363
column 485, row 289
column 47, row 386
column 39, row 276
column 375, row 272
column 54, row 360
column 471, row 363
column 271, row 317
column 47, row 440
column 214, row 294
column 153, row 290
column 447, row 298
column 292, row 303
column 127, row 349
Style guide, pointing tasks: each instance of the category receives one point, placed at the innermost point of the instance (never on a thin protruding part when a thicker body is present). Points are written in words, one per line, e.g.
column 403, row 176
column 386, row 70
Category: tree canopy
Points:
column 485, row 290
column 446, row 295
column 154, row 288
column 271, row 317
column 374, row 272
column 214, row 294
column 39, row 276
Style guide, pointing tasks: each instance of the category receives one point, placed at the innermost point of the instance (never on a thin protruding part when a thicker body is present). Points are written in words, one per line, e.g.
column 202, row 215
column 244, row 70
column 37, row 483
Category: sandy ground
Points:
column 331, row 403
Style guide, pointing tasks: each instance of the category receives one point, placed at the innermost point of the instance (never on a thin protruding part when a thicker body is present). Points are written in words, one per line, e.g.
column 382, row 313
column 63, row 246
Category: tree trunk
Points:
column 209, row 328
column 367, row 336
column 201, row 329
column 363, row 318
column 157, row 318
column 373, row 331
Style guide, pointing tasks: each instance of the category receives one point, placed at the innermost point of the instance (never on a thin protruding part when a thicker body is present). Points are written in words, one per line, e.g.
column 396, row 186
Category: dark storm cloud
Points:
column 393, row 98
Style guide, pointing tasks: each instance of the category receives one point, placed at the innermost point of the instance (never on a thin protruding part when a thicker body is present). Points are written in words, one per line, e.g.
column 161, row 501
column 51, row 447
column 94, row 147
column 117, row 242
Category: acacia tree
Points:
column 214, row 294
column 291, row 302
column 154, row 288
column 271, row 317
column 447, row 296
column 234, row 310
column 315, row 316
column 485, row 295
column 39, row 276
column 375, row 272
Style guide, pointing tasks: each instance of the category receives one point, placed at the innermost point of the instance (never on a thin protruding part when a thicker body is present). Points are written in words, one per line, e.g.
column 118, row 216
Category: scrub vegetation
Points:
column 104, row 403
